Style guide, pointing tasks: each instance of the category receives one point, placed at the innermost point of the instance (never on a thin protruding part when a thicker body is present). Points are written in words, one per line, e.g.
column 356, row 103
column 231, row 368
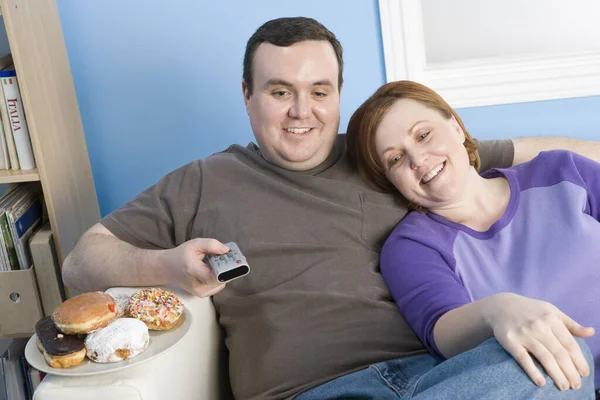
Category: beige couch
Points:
column 193, row 369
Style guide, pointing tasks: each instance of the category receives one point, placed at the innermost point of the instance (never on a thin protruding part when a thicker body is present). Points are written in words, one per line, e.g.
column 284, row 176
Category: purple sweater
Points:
column 545, row 246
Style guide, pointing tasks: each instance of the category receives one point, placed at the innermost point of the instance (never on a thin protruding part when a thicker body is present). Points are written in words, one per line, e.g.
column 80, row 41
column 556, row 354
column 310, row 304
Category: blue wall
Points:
column 160, row 85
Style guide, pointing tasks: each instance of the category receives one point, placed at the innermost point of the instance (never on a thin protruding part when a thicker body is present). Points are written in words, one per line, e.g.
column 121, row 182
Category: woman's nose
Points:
column 417, row 158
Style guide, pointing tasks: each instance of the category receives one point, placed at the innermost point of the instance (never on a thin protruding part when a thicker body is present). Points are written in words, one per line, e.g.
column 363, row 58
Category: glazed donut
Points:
column 158, row 309
column 121, row 296
column 122, row 339
column 59, row 350
column 85, row 313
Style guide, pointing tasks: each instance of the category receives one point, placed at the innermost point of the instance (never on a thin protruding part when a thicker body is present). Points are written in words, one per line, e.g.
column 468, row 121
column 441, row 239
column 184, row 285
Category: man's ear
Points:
column 245, row 92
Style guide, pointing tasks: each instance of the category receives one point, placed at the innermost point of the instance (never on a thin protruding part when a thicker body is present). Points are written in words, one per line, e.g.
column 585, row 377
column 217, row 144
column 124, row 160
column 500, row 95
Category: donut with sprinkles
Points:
column 157, row 308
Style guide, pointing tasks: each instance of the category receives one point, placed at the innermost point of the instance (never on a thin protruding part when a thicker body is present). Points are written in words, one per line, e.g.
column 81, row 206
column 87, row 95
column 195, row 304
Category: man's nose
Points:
column 301, row 107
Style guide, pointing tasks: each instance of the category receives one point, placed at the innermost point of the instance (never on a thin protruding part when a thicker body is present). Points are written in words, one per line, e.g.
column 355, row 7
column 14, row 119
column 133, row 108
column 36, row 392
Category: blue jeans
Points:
column 485, row 372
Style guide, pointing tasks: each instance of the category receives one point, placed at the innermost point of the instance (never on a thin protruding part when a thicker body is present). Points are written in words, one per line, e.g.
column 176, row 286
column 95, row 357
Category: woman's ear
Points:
column 458, row 129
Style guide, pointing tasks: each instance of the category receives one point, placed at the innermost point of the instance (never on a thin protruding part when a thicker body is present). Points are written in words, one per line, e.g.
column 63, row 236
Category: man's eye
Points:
column 320, row 94
column 423, row 135
column 279, row 93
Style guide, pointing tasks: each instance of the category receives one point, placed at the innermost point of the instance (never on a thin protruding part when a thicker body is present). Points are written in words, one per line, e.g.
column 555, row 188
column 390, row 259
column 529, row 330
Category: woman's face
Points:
column 423, row 154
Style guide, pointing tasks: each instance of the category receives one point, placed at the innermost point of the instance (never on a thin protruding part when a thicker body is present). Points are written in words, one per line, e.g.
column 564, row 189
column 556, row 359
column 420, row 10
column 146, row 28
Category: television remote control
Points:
column 229, row 266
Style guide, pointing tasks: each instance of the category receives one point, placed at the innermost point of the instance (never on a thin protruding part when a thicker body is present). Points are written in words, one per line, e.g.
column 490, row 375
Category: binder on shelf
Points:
column 17, row 119
column 47, row 270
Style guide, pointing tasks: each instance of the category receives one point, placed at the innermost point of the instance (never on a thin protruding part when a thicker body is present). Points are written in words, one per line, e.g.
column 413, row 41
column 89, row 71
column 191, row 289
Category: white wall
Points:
column 467, row 29
column 480, row 53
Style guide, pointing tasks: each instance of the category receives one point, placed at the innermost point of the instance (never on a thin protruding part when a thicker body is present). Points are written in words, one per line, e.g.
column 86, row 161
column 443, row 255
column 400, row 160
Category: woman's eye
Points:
column 423, row 135
column 394, row 160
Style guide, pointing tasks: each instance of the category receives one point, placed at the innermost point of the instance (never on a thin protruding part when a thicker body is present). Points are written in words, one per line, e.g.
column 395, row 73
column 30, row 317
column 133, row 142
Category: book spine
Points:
column 4, row 156
column 10, row 246
column 18, row 123
column 10, row 141
column 4, row 253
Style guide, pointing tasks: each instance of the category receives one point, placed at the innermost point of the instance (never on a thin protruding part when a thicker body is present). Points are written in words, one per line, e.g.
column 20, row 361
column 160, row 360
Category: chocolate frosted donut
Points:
column 55, row 342
column 60, row 350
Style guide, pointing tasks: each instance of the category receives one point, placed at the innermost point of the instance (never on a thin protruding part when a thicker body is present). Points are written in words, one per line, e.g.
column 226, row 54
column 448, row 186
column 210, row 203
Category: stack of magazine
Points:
column 20, row 215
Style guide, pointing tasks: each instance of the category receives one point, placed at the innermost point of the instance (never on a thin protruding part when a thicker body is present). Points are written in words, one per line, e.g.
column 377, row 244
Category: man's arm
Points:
column 528, row 148
column 101, row 260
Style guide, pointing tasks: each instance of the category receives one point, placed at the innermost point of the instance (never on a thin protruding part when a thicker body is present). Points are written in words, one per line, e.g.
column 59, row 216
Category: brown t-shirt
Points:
column 314, row 305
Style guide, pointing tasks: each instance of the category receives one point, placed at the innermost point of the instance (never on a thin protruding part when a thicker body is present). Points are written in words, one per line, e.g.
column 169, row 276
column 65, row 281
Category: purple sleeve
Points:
column 422, row 283
column 589, row 172
column 555, row 166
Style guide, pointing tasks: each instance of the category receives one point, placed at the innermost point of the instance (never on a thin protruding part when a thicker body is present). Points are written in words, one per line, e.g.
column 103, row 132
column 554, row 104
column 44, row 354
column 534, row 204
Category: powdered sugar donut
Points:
column 158, row 309
column 124, row 338
column 121, row 296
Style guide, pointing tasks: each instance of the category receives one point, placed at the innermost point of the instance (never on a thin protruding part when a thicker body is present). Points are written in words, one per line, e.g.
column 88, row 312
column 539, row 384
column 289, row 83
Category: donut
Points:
column 85, row 313
column 121, row 297
column 59, row 350
column 122, row 339
column 158, row 309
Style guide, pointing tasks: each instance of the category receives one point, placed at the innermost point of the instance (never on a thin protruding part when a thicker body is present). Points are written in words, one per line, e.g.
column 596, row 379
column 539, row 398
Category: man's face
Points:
column 295, row 105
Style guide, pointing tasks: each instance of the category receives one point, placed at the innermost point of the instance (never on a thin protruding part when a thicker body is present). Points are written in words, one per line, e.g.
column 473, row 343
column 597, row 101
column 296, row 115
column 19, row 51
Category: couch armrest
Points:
column 194, row 369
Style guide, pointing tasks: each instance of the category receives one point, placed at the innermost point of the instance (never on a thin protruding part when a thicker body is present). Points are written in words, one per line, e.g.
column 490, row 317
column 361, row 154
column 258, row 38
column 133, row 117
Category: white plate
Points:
column 160, row 342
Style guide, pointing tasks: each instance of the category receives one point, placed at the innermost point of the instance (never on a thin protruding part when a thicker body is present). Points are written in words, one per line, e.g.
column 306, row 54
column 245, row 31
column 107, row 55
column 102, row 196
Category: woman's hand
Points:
column 185, row 266
column 525, row 327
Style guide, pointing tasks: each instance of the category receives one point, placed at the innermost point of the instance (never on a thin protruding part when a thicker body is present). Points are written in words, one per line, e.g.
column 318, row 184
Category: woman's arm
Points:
column 524, row 327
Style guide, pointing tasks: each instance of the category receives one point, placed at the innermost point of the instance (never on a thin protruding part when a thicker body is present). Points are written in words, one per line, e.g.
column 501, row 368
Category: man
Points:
column 314, row 307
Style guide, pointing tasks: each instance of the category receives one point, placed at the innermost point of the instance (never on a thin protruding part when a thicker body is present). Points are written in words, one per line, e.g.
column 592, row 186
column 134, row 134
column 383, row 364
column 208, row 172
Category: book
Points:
column 8, row 142
column 8, row 253
column 4, row 156
column 17, row 118
column 47, row 269
column 4, row 263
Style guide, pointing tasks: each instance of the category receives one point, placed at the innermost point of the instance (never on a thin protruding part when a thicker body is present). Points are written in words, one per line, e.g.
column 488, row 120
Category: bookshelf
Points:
column 63, row 167
column 9, row 176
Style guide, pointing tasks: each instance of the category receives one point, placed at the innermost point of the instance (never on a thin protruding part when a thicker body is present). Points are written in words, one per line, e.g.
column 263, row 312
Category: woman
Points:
column 496, row 254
